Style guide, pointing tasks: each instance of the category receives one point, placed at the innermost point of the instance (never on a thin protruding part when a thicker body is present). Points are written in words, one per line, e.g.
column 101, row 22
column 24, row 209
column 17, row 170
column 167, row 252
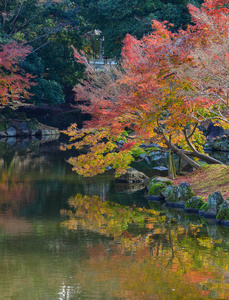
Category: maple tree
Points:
column 156, row 95
column 14, row 83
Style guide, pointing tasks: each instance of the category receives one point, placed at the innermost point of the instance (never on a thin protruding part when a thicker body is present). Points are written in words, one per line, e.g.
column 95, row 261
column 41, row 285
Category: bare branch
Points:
column 19, row 9
column 31, row 19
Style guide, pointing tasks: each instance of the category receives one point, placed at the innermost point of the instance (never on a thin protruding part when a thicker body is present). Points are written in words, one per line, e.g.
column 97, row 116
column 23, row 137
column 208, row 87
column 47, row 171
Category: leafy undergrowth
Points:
column 208, row 179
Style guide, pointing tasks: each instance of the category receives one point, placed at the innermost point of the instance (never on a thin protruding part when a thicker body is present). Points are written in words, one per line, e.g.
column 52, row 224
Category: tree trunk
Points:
column 183, row 156
column 172, row 169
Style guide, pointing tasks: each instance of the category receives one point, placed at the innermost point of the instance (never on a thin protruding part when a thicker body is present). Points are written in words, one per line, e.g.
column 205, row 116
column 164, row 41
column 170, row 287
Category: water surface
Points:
column 63, row 236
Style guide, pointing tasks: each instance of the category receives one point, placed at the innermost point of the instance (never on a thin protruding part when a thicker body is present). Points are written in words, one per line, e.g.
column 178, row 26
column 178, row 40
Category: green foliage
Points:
column 33, row 65
column 57, row 58
column 3, row 36
column 47, row 91
column 152, row 149
column 2, row 126
column 50, row 28
column 117, row 18
column 33, row 123
column 7, row 112
column 175, row 14
column 224, row 215
column 137, row 151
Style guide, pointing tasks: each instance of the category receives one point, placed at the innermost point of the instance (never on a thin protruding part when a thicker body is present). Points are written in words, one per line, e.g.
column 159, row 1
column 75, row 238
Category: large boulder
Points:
column 24, row 128
column 178, row 195
column 194, row 204
column 156, row 188
column 221, row 144
column 210, row 208
column 169, row 191
column 156, row 185
column 184, row 192
column 223, row 213
column 158, row 179
column 11, row 131
column 132, row 175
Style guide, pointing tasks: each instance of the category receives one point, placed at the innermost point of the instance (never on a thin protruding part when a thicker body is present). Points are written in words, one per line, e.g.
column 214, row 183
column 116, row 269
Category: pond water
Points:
column 63, row 236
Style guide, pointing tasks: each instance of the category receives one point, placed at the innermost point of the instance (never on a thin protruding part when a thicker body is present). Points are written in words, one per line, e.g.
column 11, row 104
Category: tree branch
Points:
column 19, row 9
column 181, row 153
column 29, row 20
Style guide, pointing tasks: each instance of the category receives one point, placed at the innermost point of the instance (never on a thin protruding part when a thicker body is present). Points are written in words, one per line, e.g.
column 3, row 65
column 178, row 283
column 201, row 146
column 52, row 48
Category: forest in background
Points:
column 42, row 33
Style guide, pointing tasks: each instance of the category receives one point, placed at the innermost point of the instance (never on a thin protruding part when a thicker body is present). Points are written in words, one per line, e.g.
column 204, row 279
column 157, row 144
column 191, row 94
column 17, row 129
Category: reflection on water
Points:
column 66, row 237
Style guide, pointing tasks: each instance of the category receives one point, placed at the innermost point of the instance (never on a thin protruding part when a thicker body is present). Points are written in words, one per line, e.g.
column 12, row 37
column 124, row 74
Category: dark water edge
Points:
column 63, row 236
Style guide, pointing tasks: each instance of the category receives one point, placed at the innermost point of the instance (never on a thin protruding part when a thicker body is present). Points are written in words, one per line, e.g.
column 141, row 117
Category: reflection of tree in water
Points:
column 108, row 218
column 8, row 160
column 13, row 190
column 168, row 255
column 31, row 183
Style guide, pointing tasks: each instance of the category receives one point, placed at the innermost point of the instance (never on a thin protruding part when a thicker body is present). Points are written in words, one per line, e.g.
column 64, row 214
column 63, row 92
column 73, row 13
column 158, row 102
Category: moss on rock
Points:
column 156, row 188
column 33, row 124
column 169, row 193
column 196, row 202
column 161, row 179
column 204, row 207
column 183, row 193
column 211, row 207
column 223, row 214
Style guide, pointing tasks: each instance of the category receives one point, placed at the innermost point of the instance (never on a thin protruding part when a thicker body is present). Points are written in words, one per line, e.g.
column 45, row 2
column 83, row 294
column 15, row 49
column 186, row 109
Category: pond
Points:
column 63, row 236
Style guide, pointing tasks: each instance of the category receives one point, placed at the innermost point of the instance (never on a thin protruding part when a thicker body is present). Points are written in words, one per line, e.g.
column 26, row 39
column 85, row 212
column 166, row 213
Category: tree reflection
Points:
column 110, row 219
column 149, row 254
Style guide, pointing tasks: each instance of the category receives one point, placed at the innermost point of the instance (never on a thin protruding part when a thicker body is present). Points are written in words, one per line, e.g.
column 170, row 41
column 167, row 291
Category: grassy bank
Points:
column 208, row 179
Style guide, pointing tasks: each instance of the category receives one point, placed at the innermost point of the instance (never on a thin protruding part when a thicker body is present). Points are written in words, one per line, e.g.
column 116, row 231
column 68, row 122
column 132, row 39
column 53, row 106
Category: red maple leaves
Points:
column 14, row 82
column 167, row 82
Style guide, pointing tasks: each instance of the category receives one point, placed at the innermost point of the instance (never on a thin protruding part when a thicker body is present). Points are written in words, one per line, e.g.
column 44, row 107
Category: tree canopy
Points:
column 50, row 28
column 167, row 84
column 14, row 82
column 117, row 18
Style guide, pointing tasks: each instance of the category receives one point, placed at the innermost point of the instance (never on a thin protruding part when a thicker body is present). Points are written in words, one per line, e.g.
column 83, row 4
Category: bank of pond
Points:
column 182, row 196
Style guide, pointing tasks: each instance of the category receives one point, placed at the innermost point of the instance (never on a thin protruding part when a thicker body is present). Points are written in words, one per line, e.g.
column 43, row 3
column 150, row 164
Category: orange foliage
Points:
column 164, row 260
column 167, row 82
